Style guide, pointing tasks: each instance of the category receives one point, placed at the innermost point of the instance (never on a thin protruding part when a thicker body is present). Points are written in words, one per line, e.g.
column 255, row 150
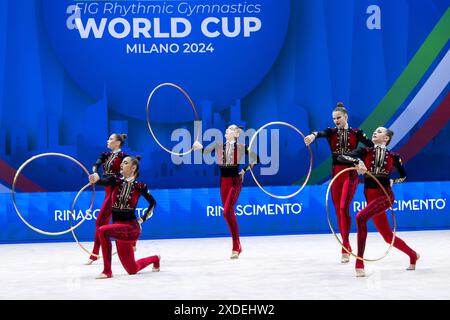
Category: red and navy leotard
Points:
column 124, row 197
column 380, row 162
column 229, row 155
column 110, row 162
column 342, row 141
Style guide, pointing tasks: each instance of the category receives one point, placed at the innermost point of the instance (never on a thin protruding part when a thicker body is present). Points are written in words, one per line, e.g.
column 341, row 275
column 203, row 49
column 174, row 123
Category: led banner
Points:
column 198, row 212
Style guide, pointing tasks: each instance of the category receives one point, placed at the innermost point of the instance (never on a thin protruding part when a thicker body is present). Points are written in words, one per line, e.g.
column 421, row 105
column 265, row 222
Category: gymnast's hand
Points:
column 93, row 178
column 309, row 139
column 197, row 146
column 242, row 173
column 361, row 167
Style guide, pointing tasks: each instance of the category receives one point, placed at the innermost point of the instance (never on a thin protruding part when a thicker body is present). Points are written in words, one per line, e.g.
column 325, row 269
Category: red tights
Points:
column 103, row 218
column 377, row 203
column 125, row 234
column 230, row 188
column 342, row 192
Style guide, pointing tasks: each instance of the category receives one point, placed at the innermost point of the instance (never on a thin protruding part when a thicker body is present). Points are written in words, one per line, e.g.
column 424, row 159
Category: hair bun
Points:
column 340, row 104
column 124, row 136
column 138, row 158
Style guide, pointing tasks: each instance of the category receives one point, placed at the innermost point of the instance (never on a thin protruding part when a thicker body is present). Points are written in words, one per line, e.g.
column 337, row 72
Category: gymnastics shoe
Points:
column 156, row 265
column 360, row 272
column 412, row 266
column 235, row 254
column 89, row 262
column 345, row 258
column 103, row 276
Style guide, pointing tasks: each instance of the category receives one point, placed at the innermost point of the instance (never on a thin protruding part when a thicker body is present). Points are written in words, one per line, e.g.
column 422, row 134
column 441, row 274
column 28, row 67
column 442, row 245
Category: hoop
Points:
column 332, row 229
column 14, row 197
column 148, row 117
column 73, row 231
column 310, row 160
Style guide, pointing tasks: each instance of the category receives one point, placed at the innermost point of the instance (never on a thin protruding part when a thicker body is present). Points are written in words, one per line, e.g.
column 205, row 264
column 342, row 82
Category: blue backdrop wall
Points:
column 73, row 72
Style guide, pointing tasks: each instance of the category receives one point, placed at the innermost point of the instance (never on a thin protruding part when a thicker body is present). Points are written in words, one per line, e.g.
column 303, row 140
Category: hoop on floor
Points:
column 310, row 160
column 73, row 230
column 13, row 193
column 168, row 84
column 332, row 229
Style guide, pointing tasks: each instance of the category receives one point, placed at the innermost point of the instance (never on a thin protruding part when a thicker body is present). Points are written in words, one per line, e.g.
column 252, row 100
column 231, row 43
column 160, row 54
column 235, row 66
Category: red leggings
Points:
column 103, row 218
column 126, row 234
column 377, row 203
column 230, row 188
column 342, row 192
